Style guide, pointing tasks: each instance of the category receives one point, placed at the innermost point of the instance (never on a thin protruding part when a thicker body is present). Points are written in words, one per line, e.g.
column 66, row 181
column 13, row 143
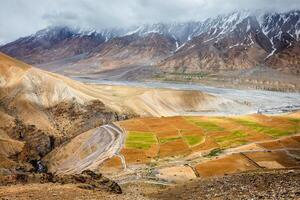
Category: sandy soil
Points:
column 176, row 174
column 280, row 158
column 228, row 165
column 160, row 102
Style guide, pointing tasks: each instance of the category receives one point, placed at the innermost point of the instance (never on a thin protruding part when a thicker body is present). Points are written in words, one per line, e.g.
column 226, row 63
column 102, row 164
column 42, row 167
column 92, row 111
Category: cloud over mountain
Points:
column 20, row 18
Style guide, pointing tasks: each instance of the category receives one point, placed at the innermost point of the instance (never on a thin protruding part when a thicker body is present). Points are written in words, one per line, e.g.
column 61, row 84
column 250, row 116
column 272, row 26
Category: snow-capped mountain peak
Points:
column 220, row 38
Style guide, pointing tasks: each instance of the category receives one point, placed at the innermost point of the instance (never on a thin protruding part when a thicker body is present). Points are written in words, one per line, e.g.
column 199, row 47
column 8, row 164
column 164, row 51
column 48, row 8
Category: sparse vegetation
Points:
column 234, row 139
column 194, row 139
column 181, row 76
column 205, row 125
column 294, row 120
column 214, row 152
column 169, row 139
column 273, row 132
column 196, row 74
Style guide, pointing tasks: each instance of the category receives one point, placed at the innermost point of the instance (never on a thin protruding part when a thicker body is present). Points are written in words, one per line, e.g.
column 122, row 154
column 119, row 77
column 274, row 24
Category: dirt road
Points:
column 86, row 151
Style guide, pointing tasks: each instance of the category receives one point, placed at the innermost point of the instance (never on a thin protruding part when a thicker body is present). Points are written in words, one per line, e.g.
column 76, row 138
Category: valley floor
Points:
column 247, row 101
column 261, row 78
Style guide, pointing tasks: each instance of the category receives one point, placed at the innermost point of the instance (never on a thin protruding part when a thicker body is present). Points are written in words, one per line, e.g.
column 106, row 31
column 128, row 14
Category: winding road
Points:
column 87, row 151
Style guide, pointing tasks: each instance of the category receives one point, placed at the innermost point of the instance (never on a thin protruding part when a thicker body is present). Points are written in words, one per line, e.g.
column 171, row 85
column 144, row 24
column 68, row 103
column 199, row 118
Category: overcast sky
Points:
column 23, row 17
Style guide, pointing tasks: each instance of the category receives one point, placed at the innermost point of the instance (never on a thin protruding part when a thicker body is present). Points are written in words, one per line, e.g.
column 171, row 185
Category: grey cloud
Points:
column 23, row 17
column 61, row 18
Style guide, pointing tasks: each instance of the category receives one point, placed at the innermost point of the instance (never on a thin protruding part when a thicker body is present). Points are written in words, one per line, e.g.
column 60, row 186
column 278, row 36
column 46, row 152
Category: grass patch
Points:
column 205, row 125
column 273, row 132
column 140, row 140
column 214, row 152
column 294, row 120
column 170, row 139
column 197, row 74
column 234, row 139
column 194, row 139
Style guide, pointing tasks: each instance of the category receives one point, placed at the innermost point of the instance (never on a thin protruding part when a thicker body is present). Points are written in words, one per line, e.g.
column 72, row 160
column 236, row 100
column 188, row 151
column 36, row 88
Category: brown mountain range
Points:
column 237, row 41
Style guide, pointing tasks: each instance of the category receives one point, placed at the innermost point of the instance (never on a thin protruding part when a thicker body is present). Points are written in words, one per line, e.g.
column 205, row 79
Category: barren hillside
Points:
column 41, row 110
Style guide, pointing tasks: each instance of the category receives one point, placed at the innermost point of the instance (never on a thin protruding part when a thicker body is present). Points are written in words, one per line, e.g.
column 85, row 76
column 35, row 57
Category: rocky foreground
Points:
column 261, row 185
column 256, row 185
column 88, row 180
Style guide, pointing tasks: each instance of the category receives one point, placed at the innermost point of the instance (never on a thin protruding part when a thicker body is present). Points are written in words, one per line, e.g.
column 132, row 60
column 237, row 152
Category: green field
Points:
column 273, row 132
column 169, row 139
column 205, row 125
column 294, row 120
column 194, row 139
column 234, row 139
column 216, row 132
column 140, row 140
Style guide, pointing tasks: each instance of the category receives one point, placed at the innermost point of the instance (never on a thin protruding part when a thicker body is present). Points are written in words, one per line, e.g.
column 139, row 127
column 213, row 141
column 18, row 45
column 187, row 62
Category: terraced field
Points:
column 210, row 145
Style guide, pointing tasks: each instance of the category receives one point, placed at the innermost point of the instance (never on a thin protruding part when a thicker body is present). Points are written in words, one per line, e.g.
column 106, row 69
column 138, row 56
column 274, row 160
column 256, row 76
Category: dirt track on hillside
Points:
column 86, row 151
